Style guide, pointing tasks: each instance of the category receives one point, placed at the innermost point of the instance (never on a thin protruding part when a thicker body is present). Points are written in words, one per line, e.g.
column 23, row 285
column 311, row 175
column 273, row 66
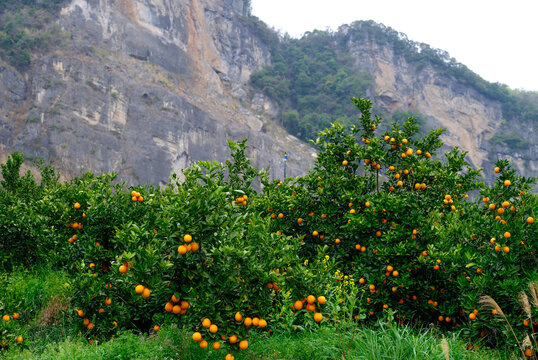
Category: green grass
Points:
column 380, row 342
column 40, row 295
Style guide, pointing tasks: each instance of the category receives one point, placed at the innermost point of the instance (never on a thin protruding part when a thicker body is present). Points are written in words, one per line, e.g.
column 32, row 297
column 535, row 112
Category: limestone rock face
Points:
column 144, row 88
column 470, row 118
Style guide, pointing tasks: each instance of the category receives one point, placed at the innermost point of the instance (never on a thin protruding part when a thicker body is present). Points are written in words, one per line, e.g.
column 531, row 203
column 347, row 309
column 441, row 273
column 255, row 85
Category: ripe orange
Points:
column 243, row 344
column 248, row 321
column 298, row 305
column 146, row 293
column 262, row 323
column 182, row 249
column 233, row 339
column 169, row 306
column 506, row 249
column 187, row 238
column 390, row 268
column 213, row 329
column 315, row 233
column 5, row 318
column 362, row 281
column 344, row 162
column 280, row 216
column 472, row 316
column 238, row 316
column 77, row 205
column 156, row 328
column 216, row 345
column 507, row 234
column 206, row 323
column 230, row 357
column 310, row 299
column 318, row 317
column 530, row 220
column 108, row 301
column 139, row 289
column 367, row 204
column 91, row 326
column 497, row 170
column 19, row 339
column 337, row 241
column 203, row 344
column 505, row 204
column 194, row 246
column 322, row 300
column 197, row 337
column 255, row 321
column 15, row 316
column 299, row 221
column 528, row 352
column 176, row 308
column 123, row 269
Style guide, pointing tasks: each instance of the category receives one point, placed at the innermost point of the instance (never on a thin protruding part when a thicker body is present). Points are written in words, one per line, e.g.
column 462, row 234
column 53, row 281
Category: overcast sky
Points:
column 496, row 39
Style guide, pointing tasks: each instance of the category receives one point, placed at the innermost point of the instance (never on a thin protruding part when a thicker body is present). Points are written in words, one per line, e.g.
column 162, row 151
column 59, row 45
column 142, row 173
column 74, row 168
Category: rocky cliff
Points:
column 144, row 88
column 472, row 119
column 147, row 87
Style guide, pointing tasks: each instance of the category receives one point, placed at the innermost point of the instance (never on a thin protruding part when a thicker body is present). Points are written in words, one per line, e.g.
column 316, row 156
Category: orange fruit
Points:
column 19, row 339
column 337, row 241
column 472, row 316
column 248, row 321
column 169, row 306
column 195, row 246
column 255, row 321
column 123, row 269
column 15, row 316
column 310, row 307
column 90, row 326
column 263, row 323
column 216, row 345
column 390, row 268
column 528, row 352
column 146, row 293
column 497, row 170
column 156, row 328
column 238, row 316
column 322, row 300
column 176, row 309
column 139, row 289
column 507, row 234
column 233, row 339
column 318, row 317
column 77, row 205
column 530, row 220
column 280, row 216
column 230, row 357
column 367, row 204
column 315, row 233
column 298, row 305
column 187, row 238
column 86, row 322
column 182, row 249
column 299, row 221
column 5, row 318
column 243, row 344
column 213, row 329
column 310, row 299
column 344, row 162
column 507, row 183
column 506, row 249
column 206, row 323
column 203, row 344
column 197, row 337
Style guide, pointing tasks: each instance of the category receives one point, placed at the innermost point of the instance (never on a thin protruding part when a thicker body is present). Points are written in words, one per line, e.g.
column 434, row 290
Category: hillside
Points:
column 311, row 80
column 147, row 87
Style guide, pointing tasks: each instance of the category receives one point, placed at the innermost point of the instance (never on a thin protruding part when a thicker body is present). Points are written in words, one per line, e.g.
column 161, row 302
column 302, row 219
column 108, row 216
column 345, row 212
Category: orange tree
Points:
column 401, row 223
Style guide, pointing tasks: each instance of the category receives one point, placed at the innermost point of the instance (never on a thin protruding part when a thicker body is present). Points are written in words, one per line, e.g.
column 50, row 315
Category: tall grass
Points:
column 387, row 342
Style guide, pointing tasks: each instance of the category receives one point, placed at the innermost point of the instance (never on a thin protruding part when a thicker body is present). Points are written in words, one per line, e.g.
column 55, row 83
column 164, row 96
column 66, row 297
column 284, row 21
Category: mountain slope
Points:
column 144, row 88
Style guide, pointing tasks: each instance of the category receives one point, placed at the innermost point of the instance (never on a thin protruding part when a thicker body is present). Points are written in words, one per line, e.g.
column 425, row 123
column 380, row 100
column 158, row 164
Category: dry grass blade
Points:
column 446, row 348
column 533, row 287
column 488, row 303
column 525, row 305
column 526, row 342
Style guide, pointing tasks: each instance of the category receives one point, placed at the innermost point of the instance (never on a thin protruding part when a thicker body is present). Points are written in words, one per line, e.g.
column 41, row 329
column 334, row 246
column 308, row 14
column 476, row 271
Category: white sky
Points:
column 496, row 39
